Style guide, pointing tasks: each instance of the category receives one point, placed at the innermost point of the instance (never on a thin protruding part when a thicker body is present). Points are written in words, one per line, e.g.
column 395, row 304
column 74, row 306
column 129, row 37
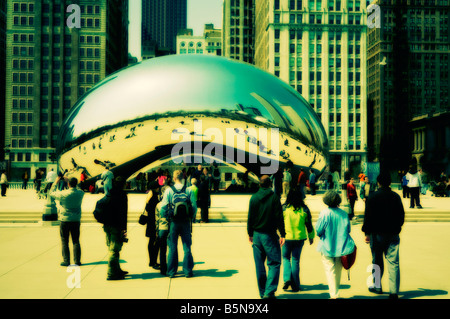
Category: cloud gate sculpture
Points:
column 173, row 107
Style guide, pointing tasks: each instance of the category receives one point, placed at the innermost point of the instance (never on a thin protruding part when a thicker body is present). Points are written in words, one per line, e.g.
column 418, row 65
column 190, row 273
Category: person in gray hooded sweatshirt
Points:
column 265, row 217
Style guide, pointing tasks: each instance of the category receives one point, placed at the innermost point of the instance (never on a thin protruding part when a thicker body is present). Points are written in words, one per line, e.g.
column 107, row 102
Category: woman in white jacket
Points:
column 414, row 185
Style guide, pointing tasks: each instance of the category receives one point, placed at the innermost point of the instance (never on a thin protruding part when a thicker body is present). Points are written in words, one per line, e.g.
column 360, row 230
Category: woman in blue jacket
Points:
column 298, row 226
column 333, row 229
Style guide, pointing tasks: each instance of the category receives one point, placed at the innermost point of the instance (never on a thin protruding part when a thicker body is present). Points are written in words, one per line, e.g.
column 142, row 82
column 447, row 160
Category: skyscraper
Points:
column 319, row 48
column 161, row 21
column 2, row 74
column 50, row 65
column 238, row 30
column 408, row 76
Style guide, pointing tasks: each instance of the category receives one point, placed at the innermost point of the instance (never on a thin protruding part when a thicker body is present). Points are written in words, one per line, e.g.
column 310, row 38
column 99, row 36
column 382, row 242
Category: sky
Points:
column 200, row 12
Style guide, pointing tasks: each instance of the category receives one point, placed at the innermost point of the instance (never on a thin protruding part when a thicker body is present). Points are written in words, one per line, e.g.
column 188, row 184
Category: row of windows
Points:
column 22, row 90
column 56, row 90
column 23, row 64
column 23, row 7
column 23, row 21
column 23, row 37
column 332, row 90
column 23, row 51
column 89, row 52
column 22, row 117
column 21, row 130
column 21, row 157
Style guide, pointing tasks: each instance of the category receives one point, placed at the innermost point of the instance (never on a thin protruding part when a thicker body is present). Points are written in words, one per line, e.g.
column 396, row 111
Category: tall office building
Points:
column 2, row 74
column 238, row 30
column 161, row 21
column 319, row 48
column 49, row 66
column 408, row 79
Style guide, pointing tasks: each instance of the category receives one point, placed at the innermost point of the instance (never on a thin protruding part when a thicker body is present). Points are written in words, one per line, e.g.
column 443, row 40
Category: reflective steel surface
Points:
column 132, row 117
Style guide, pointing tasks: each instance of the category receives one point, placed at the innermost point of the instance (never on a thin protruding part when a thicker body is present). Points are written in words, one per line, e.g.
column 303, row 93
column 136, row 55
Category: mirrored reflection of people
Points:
column 265, row 217
column 352, row 197
column 414, row 186
column 383, row 219
column 297, row 222
column 333, row 229
column 69, row 213
column 116, row 205
column 3, row 182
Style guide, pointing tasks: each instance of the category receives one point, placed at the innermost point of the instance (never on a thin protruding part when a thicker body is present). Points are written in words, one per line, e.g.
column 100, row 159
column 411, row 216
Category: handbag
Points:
column 348, row 261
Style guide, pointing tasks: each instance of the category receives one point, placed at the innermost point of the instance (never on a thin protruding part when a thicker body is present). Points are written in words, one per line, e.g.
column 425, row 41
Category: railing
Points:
column 18, row 185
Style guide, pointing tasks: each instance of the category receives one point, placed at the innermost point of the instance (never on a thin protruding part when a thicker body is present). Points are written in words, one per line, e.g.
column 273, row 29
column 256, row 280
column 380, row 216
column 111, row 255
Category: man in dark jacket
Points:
column 265, row 217
column 383, row 219
column 115, row 205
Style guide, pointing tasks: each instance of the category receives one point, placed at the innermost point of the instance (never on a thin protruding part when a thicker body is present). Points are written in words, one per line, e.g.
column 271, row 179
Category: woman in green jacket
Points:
column 297, row 222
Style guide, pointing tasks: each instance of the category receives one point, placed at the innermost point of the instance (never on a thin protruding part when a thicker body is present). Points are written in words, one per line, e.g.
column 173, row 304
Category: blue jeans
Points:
column 291, row 267
column 183, row 230
column 387, row 245
column 267, row 246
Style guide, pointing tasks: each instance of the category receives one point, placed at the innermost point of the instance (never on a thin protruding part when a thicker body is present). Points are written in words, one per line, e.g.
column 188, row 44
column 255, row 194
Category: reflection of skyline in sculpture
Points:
column 154, row 98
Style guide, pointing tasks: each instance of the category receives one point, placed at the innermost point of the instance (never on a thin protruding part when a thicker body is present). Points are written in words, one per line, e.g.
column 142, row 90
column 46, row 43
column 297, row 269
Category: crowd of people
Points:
column 276, row 231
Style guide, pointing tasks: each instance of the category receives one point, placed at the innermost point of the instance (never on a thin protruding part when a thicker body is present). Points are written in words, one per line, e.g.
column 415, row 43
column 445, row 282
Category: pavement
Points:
column 30, row 268
column 30, row 256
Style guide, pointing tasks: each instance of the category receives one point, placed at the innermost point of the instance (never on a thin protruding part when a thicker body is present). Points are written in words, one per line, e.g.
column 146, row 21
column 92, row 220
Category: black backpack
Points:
column 101, row 209
column 181, row 204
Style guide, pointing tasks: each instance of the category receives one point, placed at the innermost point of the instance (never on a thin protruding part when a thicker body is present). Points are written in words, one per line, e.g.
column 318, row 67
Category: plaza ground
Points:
column 224, row 269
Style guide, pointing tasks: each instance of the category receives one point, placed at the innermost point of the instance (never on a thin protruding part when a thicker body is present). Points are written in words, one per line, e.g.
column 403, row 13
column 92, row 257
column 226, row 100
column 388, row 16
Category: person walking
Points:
column 203, row 199
column 38, row 180
column 301, row 182
column 287, row 177
column 405, row 186
column 115, row 205
column 3, row 182
column 352, row 197
column 194, row 189
column 265, row 217
column 383, row 219
column 366, row 189
column 298, row 226
column 414, row 186
column 148, row 218
column 107, row 178
column 25, row 179
column 333, row 229
column 69, row 212
column 312, row 182
column 178, row 206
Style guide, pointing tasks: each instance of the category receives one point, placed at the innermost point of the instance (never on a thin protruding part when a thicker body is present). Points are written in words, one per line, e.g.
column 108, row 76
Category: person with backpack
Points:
column 298, row 226
column 178, row 206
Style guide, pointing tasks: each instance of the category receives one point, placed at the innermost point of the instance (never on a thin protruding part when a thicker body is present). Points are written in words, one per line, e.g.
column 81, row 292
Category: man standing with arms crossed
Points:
column 265, row 217
column 383, row 219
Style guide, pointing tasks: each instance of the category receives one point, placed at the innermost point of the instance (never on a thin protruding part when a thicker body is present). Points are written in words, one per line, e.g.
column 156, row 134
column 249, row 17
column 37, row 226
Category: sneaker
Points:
column 65, row 264
column 286, row 285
